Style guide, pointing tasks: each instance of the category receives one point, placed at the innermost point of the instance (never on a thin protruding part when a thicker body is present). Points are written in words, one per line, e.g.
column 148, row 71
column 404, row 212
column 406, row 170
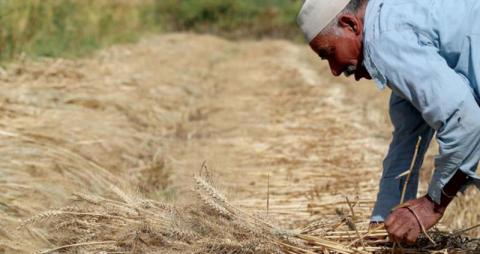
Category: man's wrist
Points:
column 439, row 208
column 449, row 191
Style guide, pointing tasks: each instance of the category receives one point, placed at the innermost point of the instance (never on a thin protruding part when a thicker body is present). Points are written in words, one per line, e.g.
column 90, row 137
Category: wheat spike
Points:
column 41, row 217
column 210, row 190
column 126, row 198
column 214, row 206
column 184, row 235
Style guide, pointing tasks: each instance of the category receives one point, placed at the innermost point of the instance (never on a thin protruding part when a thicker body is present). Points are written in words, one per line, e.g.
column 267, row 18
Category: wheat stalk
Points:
column 410, row 171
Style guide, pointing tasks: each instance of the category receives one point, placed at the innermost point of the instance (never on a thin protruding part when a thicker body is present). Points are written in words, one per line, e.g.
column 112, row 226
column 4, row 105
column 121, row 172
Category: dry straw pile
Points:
column 209, row 224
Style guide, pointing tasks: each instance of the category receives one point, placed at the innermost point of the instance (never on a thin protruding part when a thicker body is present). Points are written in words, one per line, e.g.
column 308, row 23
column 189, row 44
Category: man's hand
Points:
column 404, row 227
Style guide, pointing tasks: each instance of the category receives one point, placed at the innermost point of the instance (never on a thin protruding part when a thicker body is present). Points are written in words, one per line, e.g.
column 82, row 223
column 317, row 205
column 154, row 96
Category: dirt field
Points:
column 265, row 117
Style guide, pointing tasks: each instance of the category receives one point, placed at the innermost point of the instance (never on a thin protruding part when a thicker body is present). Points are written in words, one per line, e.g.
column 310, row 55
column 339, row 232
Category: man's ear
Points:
column 351, row 22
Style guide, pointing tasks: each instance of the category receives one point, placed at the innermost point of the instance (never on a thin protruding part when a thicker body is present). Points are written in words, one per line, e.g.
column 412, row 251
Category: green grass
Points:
column 232, row 18
column 72, row 28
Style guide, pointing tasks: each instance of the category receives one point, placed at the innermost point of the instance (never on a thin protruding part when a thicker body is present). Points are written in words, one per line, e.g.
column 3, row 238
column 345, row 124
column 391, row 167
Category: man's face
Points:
column 343, row 48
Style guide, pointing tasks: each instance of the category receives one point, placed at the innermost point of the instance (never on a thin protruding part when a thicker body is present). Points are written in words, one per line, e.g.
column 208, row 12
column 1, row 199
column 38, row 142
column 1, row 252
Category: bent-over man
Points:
column 428, row 53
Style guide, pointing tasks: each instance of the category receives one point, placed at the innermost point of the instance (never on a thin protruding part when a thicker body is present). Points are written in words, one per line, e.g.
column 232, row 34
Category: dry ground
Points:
column 266, row 118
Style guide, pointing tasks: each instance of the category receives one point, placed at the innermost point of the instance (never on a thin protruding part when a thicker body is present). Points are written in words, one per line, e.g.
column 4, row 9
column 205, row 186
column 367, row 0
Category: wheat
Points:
column 214, row 206
column 212, row 192
column 89, row 198
column 41, row 217
column 76, row 245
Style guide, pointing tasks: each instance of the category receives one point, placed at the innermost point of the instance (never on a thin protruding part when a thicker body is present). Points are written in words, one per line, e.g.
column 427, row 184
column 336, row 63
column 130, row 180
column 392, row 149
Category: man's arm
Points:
column 408, row 127
column 415, row 70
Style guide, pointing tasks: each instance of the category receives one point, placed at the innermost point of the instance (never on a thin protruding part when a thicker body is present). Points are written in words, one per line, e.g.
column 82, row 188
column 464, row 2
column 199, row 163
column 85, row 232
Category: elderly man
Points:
column 428, row 53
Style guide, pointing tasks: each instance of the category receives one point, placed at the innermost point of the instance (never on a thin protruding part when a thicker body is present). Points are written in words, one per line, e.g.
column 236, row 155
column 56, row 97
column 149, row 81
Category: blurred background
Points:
column 69, row 28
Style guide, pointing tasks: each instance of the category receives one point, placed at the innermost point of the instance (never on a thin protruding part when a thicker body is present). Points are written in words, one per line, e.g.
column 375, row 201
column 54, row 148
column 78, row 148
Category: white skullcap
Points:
column 315, row 15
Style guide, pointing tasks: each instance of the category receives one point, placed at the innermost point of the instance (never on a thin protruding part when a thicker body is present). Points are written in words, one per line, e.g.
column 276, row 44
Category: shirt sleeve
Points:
column 414, row 69
column 408, row 127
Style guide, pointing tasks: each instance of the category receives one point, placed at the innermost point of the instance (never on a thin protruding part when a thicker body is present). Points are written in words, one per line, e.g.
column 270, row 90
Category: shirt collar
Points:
column 369, row 33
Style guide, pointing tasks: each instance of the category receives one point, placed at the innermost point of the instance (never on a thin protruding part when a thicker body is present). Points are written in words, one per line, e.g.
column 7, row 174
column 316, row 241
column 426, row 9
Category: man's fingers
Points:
column 402, row 232
column 412, row 236
column 390, row 220
column 399, row 234
column 395, row 220
column 402, row 226
column 395, row 238
column 393, row 232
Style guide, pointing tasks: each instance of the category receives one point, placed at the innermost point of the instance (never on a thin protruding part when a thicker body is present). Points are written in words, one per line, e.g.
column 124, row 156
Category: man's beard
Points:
column 350, row 71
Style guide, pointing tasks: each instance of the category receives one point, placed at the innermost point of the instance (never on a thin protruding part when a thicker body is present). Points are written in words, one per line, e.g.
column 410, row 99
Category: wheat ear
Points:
column 41, row 217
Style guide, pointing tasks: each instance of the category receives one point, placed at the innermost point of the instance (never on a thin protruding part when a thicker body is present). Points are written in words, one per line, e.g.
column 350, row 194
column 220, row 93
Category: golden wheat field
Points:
column 188, row 143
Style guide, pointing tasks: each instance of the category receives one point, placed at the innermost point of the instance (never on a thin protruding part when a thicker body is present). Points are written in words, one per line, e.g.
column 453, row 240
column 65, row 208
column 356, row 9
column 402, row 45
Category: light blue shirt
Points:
column 428, row 53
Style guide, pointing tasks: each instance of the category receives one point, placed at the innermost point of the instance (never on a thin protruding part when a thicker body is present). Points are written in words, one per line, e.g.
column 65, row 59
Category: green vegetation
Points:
column 233, row 18
column 70, row 28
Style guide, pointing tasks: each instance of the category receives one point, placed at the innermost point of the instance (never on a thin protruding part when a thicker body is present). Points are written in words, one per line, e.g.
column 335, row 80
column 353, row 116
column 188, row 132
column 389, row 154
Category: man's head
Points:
column 337, row 39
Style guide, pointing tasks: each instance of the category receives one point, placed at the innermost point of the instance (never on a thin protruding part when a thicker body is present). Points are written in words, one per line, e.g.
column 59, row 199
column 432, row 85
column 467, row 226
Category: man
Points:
column 428, row 53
